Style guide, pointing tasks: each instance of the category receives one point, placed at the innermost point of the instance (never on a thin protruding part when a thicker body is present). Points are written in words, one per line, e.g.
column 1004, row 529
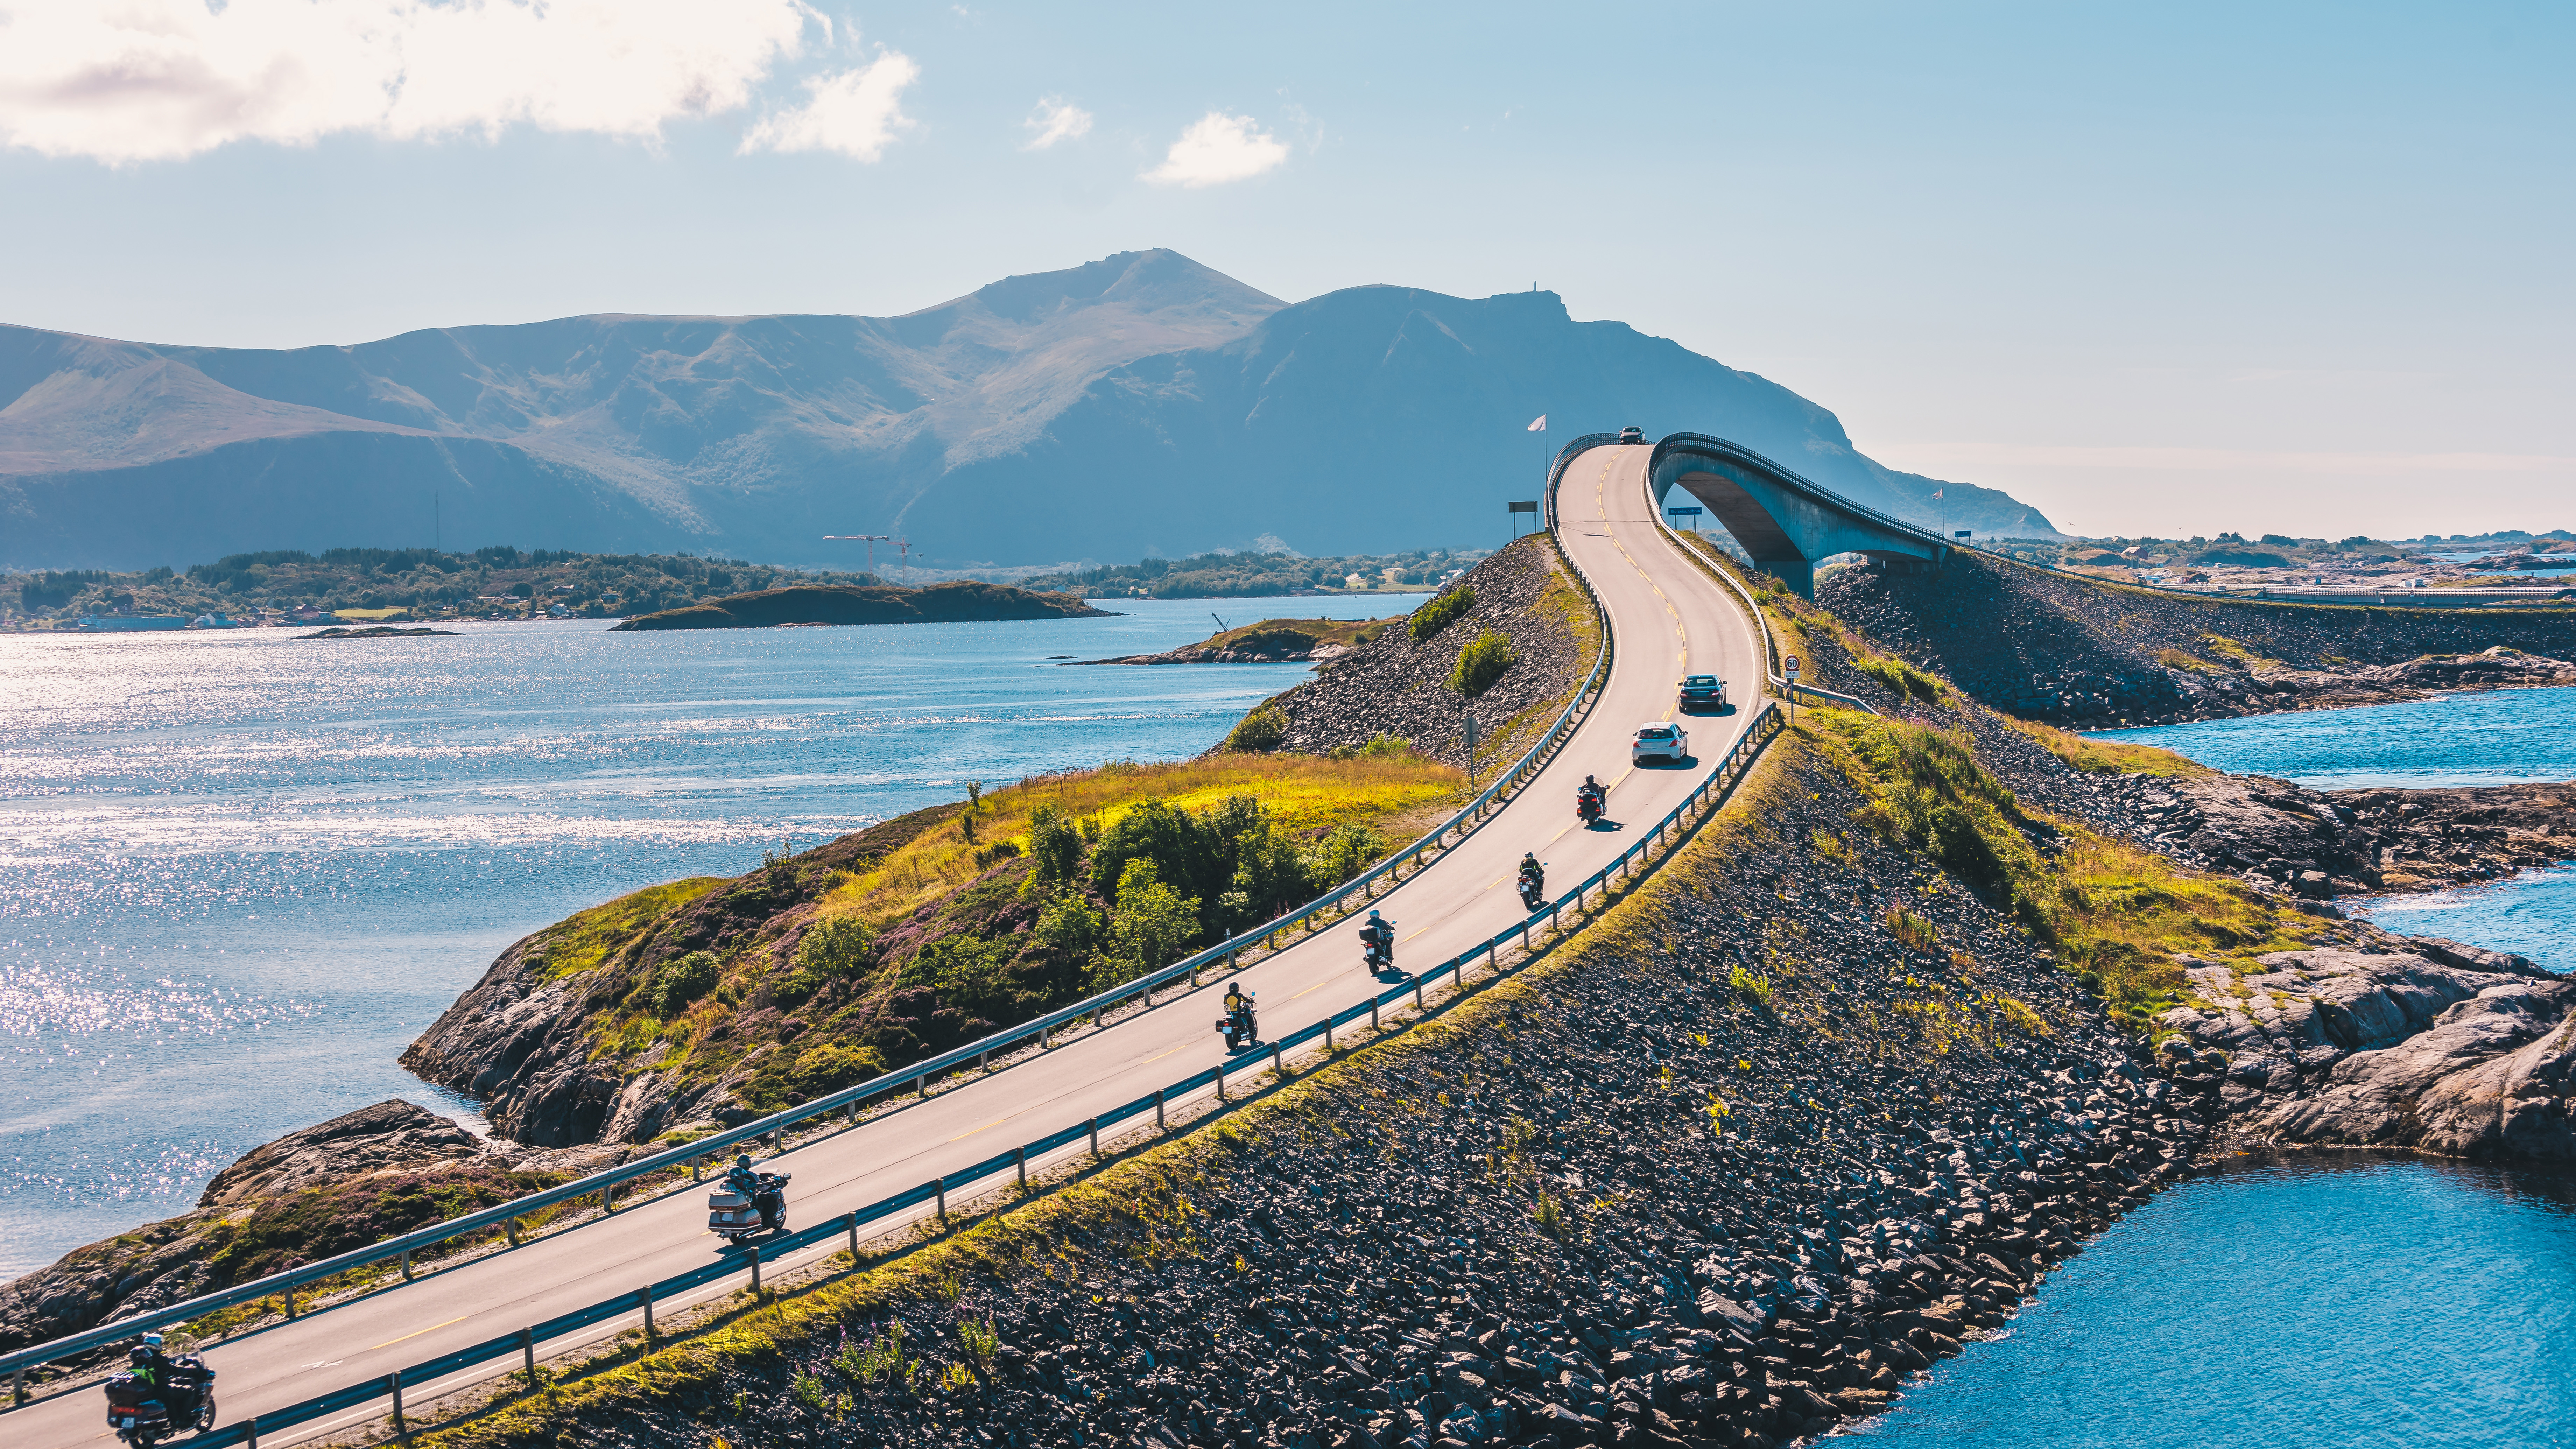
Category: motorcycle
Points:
column 1377, row 947
column 142, row 1414
column 1240, row 1027
column 1587, row 807
column 734, row 1215
column 1533, row 890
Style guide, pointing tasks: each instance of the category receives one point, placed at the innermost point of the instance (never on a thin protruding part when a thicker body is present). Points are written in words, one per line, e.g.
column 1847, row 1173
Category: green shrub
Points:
column 1481, row 663
column 1343, row 854
column 684, row 979
column 1151, row 925
column 836, row 950
column 1055, row 846
column 1263, row 730
column 1437, row 615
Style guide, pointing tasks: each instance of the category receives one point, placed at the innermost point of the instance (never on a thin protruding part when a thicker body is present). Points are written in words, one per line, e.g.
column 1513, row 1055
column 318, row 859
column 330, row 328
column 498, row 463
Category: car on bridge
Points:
column 1657, row 740
column 1703, row 691
column 1632, row 435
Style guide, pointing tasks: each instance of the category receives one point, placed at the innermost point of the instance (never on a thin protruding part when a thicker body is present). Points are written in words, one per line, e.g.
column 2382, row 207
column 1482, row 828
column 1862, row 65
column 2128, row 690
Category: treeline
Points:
column 427, row 582
column 1260, row 575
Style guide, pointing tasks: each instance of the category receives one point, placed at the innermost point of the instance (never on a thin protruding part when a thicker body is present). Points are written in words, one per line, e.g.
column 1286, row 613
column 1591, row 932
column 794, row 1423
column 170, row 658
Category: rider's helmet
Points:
column 152, row 1340
column 1588, row 780
column 139, row 1356
column 1372, row 917
column 743, row 1162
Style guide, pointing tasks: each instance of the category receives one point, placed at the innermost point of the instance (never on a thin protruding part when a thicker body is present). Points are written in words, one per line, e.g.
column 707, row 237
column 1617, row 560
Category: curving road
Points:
column 1669, row 619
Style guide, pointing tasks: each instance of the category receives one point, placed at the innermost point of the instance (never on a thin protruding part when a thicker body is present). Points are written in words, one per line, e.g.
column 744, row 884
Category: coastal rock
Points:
column 393, row 1136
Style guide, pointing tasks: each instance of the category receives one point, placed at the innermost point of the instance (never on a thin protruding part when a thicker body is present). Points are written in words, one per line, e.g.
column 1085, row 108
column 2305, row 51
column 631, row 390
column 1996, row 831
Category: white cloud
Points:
column 855, row 112
column 137, row 80
column 1218, row 148
column 1055, row 120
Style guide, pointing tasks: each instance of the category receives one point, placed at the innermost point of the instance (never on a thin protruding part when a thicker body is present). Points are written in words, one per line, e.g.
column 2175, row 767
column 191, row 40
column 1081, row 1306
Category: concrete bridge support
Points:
column 1784, row 521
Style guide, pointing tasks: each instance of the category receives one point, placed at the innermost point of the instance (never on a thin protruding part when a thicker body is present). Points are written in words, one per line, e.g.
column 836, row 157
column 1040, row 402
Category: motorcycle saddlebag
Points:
column 129, row 1395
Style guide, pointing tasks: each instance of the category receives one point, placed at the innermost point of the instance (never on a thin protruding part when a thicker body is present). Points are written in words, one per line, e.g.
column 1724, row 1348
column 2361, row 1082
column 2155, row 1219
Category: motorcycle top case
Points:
column 727, row 1201
column 128, row 1394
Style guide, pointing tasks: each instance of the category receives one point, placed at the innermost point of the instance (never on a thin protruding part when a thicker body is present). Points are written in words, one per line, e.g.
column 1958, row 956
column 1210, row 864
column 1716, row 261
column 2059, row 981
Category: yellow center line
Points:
column 415, row 1333
column 987, row 1127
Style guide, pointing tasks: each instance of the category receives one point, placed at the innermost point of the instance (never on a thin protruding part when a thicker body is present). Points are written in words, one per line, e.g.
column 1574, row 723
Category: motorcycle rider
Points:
column 1533, row 874
column 1379, row 938
column 743, row 1179
column 1238, row 1014
column 1589, row 793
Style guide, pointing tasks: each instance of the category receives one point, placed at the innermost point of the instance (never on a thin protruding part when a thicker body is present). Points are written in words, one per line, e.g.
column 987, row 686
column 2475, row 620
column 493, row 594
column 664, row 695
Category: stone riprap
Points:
column 1397, row 685
column 2070, row 651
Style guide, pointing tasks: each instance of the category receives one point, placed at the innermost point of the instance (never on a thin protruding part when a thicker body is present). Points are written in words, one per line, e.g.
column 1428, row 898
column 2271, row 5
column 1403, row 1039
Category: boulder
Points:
column 391, row 1136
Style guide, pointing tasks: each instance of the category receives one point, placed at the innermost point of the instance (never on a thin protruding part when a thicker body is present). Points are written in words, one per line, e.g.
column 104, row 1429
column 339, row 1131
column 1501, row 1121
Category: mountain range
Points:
column 1136, row 405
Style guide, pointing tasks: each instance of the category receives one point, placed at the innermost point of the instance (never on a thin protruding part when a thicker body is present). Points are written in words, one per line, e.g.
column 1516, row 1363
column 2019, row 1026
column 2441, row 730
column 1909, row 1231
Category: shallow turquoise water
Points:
column 239, row 873
column 2306, row 1304
column 2318, row 1300
column 2493, row 737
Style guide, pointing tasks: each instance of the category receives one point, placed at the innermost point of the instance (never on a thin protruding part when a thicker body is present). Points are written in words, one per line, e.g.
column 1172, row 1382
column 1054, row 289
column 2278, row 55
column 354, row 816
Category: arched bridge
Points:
column 1784, row 521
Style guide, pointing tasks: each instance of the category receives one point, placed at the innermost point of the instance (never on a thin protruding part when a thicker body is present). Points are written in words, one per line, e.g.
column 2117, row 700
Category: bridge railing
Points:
column 915, row 1078
column 1780, row 683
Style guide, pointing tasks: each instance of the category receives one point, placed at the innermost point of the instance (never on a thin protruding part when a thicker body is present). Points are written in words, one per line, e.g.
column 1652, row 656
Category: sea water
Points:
column 239, row 872
column 2319, row 1299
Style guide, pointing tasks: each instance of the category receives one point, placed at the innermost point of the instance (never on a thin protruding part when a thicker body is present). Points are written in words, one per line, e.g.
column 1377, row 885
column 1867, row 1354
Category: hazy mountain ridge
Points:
column 1139, row 402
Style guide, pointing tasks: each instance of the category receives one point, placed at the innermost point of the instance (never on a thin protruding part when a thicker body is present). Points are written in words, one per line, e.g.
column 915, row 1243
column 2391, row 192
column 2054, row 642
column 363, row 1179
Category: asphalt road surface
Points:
column 1668, row 618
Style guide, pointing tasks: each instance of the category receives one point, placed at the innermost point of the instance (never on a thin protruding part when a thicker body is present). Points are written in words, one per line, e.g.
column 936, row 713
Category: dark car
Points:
column 1632, row 435
column 1703, row 691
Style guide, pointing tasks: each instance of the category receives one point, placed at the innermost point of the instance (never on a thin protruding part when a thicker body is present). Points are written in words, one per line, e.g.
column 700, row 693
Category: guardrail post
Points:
column 605, row 1202
column 1020, row 1159
column 755, row 1275
column 393, row 1386
column 1044, row 1033
column 18, row 1387
column 253, row 1430
column 697, row 1165
column 1158, row 1109
column 1095, row 1137
column 939, row 1185
column 921, row 1085
column 984, row 1062
column 644, row 1295
column 1328, row 1033
column 528, row 1354
column 1373, row 1026
column 514, row 1241
column 1278, row 1059
column 406, row 1265
column 1417, row 993
column 853, row 1220
column 289, row 1295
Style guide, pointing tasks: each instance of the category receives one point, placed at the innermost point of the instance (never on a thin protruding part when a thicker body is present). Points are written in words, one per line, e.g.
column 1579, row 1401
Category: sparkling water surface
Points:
column 2318, row 1299
column 240, row 872
column 2307, row 1303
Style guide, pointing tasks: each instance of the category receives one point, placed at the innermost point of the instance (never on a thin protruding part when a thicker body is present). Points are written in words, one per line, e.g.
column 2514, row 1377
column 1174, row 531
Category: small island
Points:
column 965, row 601
column 379, row 631
column 1272, row 641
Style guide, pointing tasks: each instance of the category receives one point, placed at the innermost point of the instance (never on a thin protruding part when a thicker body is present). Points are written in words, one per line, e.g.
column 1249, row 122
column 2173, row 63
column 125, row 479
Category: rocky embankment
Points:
column 1401, row 686
column 2063, row 649
column 1271, row 641
column 359, row 1177
column 960, row 602
column 1767, row 1144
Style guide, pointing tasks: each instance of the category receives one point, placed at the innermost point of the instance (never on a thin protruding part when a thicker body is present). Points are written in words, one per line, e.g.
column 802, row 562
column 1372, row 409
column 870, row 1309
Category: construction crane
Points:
column 872, row 540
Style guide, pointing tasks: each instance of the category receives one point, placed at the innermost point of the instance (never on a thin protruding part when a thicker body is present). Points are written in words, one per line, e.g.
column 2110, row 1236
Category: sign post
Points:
column 1517, row 509
column 1689, row 513
column 1471, row 752
column 1789, row 667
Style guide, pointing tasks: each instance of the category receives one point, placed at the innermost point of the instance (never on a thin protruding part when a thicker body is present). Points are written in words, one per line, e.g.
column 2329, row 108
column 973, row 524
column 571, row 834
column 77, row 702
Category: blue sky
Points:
column 2166, row 269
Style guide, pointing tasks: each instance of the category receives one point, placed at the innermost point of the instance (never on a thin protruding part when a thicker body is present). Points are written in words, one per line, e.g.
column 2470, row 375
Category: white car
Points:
column 1660, row 741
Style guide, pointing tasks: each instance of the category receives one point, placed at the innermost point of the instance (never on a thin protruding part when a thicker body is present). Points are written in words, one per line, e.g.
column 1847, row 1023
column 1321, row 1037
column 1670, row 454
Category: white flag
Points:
column 1540, row 426
column 1936, row 492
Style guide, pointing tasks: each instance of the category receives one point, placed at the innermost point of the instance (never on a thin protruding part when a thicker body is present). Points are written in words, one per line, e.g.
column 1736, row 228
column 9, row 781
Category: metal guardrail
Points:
column 1672, row 831
column 847, row 1100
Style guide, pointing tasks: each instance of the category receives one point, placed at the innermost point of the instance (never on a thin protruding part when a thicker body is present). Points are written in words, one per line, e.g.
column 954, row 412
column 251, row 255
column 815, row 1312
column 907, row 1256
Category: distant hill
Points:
column 1138, row 403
